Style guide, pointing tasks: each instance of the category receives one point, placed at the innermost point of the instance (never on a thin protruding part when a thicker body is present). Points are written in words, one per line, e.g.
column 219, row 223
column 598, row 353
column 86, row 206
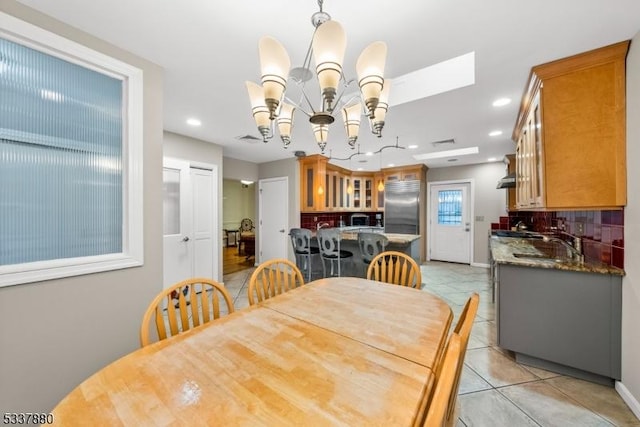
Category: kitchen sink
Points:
column 538, row 256
column 519, row 234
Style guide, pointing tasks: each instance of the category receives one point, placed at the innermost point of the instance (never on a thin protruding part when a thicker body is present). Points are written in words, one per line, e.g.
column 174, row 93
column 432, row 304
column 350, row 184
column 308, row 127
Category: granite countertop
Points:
column 351, row 233
column 393, row 237
column 504, row 248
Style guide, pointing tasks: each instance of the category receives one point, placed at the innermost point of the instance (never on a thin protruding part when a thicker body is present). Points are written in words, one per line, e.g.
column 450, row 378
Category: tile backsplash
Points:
column 310, row 220
column 602, row 232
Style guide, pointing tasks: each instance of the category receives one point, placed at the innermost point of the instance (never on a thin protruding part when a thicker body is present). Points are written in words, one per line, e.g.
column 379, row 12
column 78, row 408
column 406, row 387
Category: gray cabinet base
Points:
column 568, row 318
column 564, row 370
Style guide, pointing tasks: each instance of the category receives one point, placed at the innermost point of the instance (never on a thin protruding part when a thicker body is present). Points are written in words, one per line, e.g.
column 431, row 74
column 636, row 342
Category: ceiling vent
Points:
column 300, row 154
column 248, row 138
column 443, row 142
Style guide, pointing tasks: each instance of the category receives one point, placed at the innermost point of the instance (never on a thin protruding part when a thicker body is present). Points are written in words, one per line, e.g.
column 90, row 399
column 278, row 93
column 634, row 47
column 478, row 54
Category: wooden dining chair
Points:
column 183, row 306
column 273, row 277
column 395, row 267
column 463, row 329
column 444, row 387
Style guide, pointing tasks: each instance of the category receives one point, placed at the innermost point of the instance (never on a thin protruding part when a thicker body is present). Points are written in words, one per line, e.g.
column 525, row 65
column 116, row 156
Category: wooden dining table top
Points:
column 340, row 351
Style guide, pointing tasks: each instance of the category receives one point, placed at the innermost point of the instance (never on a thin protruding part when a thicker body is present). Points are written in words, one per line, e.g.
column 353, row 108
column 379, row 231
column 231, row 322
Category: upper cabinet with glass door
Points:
column 405, row 173
column 570, row 133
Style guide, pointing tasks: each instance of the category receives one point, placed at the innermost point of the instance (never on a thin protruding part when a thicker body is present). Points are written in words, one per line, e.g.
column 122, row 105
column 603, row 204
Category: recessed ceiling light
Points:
column 501, row 102
column 412, row 147
column 491, row 159
column 360, row 169
column 369, row 153
column 495, row 133
column 194, row 122
column 246, row 182
column 390, row 165
column 447, row 153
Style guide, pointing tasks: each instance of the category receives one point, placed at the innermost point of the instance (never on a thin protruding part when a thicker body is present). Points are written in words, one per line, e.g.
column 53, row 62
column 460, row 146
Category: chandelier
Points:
column 270, row 103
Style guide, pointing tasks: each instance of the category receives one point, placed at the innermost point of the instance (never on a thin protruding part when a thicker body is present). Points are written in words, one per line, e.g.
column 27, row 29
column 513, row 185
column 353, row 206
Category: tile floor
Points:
column 496, row 391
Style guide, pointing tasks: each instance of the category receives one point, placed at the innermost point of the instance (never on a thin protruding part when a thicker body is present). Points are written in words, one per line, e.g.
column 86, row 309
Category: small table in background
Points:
column 247, row 245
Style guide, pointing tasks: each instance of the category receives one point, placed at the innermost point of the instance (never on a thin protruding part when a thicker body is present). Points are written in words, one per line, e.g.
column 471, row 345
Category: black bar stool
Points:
column 301, row 242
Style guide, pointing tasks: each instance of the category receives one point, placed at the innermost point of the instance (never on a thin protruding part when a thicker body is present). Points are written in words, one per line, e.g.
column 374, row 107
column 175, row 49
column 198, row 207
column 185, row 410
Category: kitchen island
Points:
column 557, row 313
column 405, row 243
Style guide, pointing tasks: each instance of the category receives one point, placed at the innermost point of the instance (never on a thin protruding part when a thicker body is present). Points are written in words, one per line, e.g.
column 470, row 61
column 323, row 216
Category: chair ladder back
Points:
column 396, row 268
column 463, row 330
column 187, row 312
column 272, row 278
column 438, row 407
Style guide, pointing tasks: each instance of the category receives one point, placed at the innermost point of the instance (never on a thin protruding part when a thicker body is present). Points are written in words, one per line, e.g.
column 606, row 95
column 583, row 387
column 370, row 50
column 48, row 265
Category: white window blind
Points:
column 60, row 158
column 70, row 181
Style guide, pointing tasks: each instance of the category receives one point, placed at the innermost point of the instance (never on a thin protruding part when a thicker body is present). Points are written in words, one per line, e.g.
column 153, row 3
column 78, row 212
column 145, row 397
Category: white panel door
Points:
column 176, row 187
column 190, row 218
column 273, row 206
column 205, row 232
column 450, row 223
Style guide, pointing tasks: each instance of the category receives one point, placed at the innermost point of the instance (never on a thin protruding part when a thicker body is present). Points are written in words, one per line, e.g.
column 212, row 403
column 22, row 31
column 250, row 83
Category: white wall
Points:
column 630, row 387
column 488, row 201
column 240, row 169
column 55, row 334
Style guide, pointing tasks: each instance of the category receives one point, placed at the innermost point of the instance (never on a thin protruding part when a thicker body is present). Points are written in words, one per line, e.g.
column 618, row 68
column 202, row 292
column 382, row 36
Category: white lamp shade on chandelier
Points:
column 285, row 122
column 274, row 65
column 380, row 113
column 328, row 46
column 351, row 117
column 370, row 69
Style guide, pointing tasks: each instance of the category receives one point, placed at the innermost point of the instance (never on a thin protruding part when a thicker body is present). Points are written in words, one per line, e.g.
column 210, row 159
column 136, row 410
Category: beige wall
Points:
column 54, row 334
column 290, row 169
column 631, row 282
column 238, row 202
column 198, row 151
column 240, row 169
column 488, row 201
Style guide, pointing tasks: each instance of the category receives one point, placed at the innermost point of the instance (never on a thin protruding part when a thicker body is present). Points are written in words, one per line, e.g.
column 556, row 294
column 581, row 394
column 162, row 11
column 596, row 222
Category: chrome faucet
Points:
column 521, row 226
column 574, row 253
column 322, row 225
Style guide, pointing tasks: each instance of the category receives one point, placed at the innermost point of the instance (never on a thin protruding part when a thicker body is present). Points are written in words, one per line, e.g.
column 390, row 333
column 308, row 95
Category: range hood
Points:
column 508, row 181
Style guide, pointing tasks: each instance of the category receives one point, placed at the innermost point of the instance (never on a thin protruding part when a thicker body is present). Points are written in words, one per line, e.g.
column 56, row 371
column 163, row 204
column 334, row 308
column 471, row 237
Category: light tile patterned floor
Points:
column 496, row 391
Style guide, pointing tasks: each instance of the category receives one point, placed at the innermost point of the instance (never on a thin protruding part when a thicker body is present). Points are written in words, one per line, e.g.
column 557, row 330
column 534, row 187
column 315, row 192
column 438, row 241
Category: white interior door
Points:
column 189, row 219
column 450, row 234
column 204, row 228
column 273, row 217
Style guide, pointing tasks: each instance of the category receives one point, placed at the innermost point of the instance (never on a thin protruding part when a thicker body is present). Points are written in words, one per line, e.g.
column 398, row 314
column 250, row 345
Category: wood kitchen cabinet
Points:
column 405, row 173
column 511, row 192
column 529, row 174
column 362, row 192
column 378, row 189
column 325, row 187
column 313, row 183
column 570, row 133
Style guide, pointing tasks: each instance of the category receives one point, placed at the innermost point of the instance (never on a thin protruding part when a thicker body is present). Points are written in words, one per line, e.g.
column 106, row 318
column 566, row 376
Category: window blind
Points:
column 61, row 165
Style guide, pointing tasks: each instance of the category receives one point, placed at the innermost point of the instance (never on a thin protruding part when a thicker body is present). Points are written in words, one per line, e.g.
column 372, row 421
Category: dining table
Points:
column 340, row 351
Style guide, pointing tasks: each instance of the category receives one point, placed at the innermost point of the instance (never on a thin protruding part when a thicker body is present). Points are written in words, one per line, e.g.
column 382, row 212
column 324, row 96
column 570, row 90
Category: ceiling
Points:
column 208, row 50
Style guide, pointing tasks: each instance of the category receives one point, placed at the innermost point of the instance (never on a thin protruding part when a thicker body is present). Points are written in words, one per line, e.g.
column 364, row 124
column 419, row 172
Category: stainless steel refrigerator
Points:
column 402, row 207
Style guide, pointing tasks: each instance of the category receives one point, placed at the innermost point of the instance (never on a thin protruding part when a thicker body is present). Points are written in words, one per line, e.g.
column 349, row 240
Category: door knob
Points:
column 186, row 239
